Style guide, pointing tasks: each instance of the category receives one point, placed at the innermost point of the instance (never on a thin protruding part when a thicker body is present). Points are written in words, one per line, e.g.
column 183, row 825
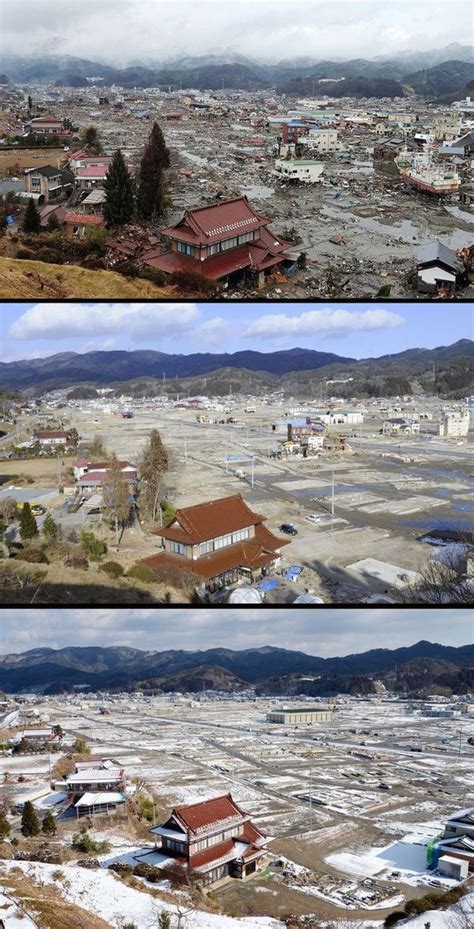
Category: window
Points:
column 178, row 548
column 222, row 542
column 246, row 237
column 229, row 243
column 214, row 249
column 206, row 547
column 185, row 248
column 240, row 535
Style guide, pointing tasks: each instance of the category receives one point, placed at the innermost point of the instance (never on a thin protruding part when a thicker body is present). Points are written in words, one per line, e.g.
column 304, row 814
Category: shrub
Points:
column 191, row 282
column 112, row 568
column 79, row 561
column 154, row 275
column 121, row 868
column 82, row 842
column 93, row 547
column 32, row 554
column 25, row 254
column 151, row 874
column 127, row 268
column 141, row 572
column 49, row 255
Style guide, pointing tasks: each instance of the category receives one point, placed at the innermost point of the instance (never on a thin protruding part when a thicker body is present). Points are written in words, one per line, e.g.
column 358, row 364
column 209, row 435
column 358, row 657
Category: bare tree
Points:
column 441, row 582
column 116, row 494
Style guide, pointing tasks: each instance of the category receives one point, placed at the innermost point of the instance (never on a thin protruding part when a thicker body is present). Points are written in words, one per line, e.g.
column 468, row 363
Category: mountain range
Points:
column 267, row 669
column 445, row 370
column 444, row 71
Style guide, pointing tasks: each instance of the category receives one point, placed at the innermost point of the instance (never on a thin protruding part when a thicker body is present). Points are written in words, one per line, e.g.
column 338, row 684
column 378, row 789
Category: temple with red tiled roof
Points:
column 215, row 838
column 219, row 542
column 225, row 241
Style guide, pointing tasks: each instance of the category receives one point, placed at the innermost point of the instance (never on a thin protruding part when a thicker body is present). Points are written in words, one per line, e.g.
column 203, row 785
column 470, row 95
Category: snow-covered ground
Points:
column 13, row 916
column 105, row 895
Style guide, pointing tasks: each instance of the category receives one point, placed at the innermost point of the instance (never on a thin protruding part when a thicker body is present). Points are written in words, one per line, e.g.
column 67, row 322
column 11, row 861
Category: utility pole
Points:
column 332, row 501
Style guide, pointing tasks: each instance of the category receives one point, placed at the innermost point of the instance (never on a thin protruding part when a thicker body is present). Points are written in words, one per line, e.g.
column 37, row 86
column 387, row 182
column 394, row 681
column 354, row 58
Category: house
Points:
column 93, row 480
column 436, row 265
column 389, row 148
column 226, row 241
column 46, row 125
column 52, row 209
column 462, row 147
column 39, row 736
column 47, row 183
column 94, row 201
column 92, row 173
column 299, row 170
column 54, row 437
column 400, row 426
column 83, row 466
column 215, row 839
column 218, row 542
column 95, row 787
column 457, row 841
column 76, row 223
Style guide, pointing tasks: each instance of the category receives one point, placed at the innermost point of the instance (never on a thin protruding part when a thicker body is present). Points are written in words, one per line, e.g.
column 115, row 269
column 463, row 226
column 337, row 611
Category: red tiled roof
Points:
column 208, row 224
column 94, row 170
column 198, row 817
column 46, row 119
column 84, row 219
column 100, row 476
column 54, row 434
column 250, row 554
column 209, row 520
column 102, row 465
column 213, row 855
column 219, row 266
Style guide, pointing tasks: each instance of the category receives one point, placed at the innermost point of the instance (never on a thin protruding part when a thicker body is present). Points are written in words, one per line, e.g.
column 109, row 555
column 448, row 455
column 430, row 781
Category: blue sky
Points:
column 357, row 330
column 316, row 632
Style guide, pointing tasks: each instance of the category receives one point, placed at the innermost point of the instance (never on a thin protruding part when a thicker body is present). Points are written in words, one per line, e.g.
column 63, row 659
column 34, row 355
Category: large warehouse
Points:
column 300, row 714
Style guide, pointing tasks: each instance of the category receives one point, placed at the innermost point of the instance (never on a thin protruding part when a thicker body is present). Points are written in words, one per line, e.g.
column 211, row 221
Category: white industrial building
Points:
column 300, row 715
column 455, row 423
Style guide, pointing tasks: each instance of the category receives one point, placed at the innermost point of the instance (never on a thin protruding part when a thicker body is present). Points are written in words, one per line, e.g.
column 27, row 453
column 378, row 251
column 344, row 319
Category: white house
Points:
column 301, row 170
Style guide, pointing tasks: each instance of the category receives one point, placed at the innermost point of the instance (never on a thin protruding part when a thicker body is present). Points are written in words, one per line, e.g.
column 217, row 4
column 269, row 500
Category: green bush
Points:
column 151, row 874
column 112, row 568
column 25, row 254
column 191, row 282
column 82, row 842
column 92, row 547
column 141, row 572
column 49, row 255
column 154, row 275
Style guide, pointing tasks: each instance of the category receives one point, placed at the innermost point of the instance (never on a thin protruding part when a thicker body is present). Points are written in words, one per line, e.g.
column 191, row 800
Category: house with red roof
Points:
column 219, row 543
column 215, row 839
column 227, row 242
column 46, row 125
column 54, row 437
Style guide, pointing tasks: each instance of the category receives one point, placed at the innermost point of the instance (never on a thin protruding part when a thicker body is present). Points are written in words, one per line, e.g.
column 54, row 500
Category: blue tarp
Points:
column 292, row 572
column 268, row 585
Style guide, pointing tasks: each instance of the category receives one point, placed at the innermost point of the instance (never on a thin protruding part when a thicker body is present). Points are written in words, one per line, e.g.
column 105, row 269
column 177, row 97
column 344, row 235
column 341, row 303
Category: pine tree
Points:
column 119, row 192
column 30, row 103
column 29, row 820
column 28, row 524
column 49, row 824
column 154, row 463
column 53, row 223
column 31, row 219
column 50, row 529
column 4, row 826
column 155, row 160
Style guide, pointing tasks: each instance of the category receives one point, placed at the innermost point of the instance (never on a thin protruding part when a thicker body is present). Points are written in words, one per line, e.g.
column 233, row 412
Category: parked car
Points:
column 313, row 518
column 288, row 529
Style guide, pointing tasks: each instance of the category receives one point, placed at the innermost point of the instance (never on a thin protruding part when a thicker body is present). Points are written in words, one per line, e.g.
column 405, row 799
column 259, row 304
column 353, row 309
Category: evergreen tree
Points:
column 155, row 160
column 119, row 192
column 4, row 826
column 28, row 524
column 53, row 223
column 49, row 824
column 50, row 529
column 29, row 820
column 154, row 463
column 31, row 219
column 91, row 140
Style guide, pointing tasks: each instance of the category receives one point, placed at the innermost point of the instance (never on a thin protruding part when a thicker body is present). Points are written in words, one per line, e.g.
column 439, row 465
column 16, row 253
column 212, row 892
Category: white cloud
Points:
column 214, row 332
column 322, row 322
column 323, row 632
column 82, row 320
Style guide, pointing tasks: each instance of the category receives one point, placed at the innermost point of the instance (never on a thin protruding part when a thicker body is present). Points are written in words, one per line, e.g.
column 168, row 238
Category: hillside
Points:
column 446, row 371
column 357, row 86
column 37, row 280
column 445, row 78
column 271, row 670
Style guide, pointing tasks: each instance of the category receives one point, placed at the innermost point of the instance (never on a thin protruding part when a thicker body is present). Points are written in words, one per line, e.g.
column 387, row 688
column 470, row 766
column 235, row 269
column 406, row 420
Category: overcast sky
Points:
column 355, row 330
column 124, row 31
column 324, row 632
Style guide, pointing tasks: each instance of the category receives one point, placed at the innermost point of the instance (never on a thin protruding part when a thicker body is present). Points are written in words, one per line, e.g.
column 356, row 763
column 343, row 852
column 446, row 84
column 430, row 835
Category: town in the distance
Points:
column 253, row 788
column 317, row 180
column 265, row 477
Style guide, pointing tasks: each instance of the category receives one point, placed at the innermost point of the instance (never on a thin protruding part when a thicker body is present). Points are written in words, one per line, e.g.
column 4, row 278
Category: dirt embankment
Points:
column 36, row 279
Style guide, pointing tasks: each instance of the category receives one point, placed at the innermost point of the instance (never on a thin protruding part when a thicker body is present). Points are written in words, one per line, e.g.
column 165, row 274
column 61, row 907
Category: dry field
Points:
column 29, row 158
column 33, row 279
